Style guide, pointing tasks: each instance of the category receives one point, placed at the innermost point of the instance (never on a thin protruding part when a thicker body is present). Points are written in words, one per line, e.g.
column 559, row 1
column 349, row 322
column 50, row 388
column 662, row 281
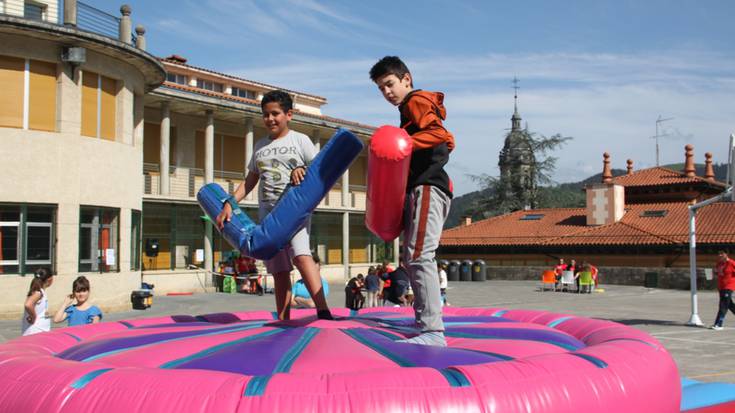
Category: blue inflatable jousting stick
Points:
column 277, row 228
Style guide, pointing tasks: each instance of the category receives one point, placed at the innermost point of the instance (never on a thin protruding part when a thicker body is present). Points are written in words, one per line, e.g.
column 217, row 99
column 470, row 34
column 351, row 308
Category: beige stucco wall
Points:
column 69, row 170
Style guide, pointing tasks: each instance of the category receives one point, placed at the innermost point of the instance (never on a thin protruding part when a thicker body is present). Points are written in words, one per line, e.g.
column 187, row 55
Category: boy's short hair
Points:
column 283, row 99
column 389, row 65
column 316, row 259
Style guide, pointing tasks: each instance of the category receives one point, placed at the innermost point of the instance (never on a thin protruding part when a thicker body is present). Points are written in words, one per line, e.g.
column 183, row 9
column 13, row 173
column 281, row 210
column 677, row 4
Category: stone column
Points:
column 69, row 100
column 346, row 189
column 249, row 149
column 208, row 178
column 140, row 37
column 164, row 160
column 126, row 25
column 70, row 13
column 138, row 119
column 346, row 244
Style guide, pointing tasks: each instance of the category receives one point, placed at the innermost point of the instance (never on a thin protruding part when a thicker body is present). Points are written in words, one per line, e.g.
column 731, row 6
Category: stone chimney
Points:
column 630, row 167
column 606, row 201
column 709, row 172
column 606, row 171
column 466, row 220
column 689, row 169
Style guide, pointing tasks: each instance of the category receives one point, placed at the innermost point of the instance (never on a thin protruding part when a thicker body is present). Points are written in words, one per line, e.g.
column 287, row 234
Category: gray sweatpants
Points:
column 425, row 211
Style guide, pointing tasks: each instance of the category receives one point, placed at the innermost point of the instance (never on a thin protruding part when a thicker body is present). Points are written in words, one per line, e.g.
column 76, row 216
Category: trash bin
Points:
column 465, row 271
column 141, row 299
column 651, row 280
column 453, row 272
column 478, row 270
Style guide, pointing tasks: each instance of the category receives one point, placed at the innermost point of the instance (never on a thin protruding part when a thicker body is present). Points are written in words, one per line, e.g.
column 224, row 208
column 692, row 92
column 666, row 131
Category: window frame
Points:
column 243, row 93
column 97, row 261
column 22, row 225
column 178, row 78
column 210, row 85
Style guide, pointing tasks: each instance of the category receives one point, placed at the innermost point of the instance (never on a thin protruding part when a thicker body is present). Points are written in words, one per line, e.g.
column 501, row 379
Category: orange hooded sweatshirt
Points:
column 422, row 114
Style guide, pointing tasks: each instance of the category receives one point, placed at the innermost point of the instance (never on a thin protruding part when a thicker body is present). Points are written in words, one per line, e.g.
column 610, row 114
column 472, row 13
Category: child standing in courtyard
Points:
column 279, row 160
column 428, row 192
column 81, row 312
column 35, row 320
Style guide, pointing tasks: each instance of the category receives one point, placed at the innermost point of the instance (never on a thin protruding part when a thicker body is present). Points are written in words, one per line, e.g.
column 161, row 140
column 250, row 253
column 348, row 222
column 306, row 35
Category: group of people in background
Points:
column 76, row 309
column 386, row 286
column 576, row 269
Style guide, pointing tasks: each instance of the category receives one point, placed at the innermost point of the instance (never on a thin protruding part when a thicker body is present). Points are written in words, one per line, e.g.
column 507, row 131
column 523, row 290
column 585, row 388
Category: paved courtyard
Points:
column 700, row 353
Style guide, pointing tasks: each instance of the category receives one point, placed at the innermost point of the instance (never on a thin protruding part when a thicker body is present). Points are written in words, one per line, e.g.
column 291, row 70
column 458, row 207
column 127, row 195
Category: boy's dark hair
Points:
column 282, row 98
column 80, row 284
column 316, row 259
column 389, row 65
column 39, row 279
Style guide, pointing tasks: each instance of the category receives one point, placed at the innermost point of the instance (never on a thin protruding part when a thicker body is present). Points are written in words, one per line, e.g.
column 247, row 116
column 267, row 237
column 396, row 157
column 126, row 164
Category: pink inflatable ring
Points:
column 496, row 361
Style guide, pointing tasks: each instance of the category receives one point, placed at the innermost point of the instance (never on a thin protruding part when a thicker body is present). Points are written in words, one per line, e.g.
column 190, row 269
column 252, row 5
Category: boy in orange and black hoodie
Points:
column 428, row 193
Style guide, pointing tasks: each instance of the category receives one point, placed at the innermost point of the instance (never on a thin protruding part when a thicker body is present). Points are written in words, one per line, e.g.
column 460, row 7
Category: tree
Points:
column 525, row 167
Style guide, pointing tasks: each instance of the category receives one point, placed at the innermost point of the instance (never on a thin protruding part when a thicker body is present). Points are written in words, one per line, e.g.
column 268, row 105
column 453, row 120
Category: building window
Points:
column 98, row 106
column 209, row 85
column 136, row 237
column 98, row 239
column 26, row 238
column 177, row 78
column 34, row 11
column 28, row 100
column 243, row 93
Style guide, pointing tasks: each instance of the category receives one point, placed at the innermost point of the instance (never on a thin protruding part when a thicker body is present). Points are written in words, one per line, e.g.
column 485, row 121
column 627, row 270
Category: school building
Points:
column 105, row 146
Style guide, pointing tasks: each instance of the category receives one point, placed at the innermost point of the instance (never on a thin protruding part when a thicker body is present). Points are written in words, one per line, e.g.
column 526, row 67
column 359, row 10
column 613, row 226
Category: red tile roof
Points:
column 658, row 176
column 567, row 227
column 176, row 62
column 226, row 96
column 509, row 229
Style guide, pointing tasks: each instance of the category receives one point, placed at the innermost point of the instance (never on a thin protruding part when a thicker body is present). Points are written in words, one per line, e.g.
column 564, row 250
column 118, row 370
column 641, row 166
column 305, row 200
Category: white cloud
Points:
column 607, row 102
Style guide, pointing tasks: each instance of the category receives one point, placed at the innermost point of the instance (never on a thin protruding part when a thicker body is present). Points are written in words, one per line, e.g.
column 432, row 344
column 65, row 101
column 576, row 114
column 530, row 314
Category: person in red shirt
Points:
column 594, row 272
column 725, row 270
column 559, row 269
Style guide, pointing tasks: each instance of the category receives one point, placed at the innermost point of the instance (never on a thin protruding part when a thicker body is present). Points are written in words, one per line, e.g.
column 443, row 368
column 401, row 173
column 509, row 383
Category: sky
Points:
column 601, row 72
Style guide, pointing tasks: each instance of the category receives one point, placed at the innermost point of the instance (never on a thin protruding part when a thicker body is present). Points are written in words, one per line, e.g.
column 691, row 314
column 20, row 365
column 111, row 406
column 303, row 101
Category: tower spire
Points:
column 516, row 118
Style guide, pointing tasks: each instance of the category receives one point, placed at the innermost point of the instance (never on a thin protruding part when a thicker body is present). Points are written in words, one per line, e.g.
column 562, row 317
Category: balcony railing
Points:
column 184, row 183
column 86, row 17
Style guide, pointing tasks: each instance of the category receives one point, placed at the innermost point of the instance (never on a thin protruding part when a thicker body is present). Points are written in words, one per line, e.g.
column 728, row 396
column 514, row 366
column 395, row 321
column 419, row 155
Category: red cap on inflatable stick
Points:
column 389, row 159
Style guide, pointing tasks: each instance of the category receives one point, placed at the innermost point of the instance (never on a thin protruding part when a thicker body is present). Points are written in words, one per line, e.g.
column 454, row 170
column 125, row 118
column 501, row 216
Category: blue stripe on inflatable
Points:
column 403, row 362
column 592, row 359
column 696, row 395
column 256, row 386
column 84, row 380
column 295, row 206
column 288, row 359
column 353, row 313
column 455, row 377
column 558, row 321
column 126, row 324
column 499, row 313
column 154, row 342
column 175, row 363
column 73, row 336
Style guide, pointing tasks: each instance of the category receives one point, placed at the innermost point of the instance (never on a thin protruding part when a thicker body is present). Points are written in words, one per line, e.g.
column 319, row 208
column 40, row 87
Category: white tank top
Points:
column 43, row 322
